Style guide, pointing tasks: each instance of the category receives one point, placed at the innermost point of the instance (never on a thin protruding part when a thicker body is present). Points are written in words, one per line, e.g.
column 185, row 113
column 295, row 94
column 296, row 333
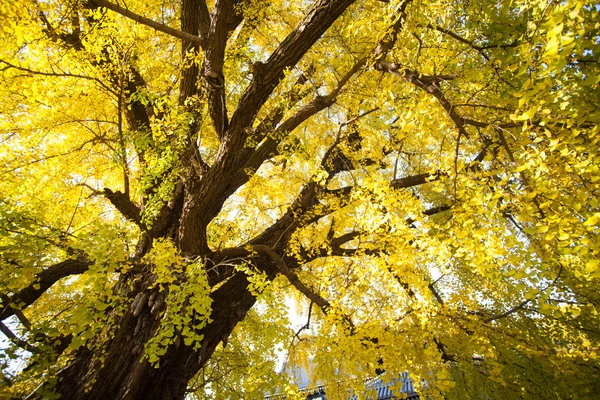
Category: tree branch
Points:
column 320, row 210
column 470, row 43
column 266, row 76
column 514, row 309
column 415, row 180
column 289, row 99
column 44, row 280
column 388, row 42
column 430, row 84
column 230, row 156
column 19, row 342
column 57, row 74
column 292, row 277
column 214, row 55
column 124, row 205
column 190, row 24
column 323, row 102
column 147, row 21
column 320, row 103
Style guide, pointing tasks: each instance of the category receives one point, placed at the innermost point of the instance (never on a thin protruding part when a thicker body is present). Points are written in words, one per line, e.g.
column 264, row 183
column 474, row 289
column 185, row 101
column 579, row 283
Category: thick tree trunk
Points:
column 122, row 372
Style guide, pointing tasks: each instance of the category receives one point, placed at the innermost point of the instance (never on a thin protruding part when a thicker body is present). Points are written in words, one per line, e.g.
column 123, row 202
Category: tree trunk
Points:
column 122, row 372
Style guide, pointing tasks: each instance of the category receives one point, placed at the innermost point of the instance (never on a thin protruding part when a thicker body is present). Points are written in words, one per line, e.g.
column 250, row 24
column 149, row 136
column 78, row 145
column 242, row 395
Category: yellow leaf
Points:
column 591, row 266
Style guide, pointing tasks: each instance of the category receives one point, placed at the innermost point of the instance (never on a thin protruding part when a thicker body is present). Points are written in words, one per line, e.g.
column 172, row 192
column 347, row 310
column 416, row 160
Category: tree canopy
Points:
column 419, row 179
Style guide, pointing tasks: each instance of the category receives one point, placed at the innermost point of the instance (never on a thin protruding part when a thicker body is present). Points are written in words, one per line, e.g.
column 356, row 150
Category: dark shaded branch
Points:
column 435, row 293
column 124, row 205
column 442, row 348
column 307, row 325
column 203, row 17
column 388, row 42
column 23, row 319
column 430, row 212
column 430, row 84
column 266, row 76
column 194, row 19
column 289, row 99
column 19, row 342
column 436, row 210
column 190, row 24
column 334, row 160
column 480, row 49
column 415, row 180
column 292, row 277
column 56, row 74
column 319, row 211
column 214, row 55
column 513, row 310
column 460, row 39
column 337, row 243
column 146, row 21
column 44, row 280
column 401, row 183
column 268, row 147
column 136, row 113
column 122, row 147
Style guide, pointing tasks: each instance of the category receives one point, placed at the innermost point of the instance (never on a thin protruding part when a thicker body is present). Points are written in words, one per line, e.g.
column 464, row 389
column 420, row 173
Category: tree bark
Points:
column 113, row 365
column 122, row 372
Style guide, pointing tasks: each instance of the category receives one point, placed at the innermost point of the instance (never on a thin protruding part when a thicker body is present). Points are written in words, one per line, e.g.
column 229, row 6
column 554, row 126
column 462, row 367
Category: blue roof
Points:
column 376, row 389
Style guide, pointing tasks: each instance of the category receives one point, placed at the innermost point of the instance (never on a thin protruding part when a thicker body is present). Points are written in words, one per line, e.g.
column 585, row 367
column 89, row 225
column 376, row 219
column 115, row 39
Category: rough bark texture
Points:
column 183, row 148
column 121, row 371
column 126, row 374
column 114, row 366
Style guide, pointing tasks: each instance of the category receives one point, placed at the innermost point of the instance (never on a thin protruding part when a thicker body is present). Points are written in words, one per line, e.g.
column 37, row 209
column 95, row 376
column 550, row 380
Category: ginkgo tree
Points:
column 420, row 178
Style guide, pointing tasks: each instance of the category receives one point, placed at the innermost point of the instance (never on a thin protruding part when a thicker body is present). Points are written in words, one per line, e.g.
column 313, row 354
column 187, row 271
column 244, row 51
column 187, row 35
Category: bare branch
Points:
column 56, row 74
column 513, row 310
column 266, row 76
column 430, row 84
column 479, row 49
column 147, row 21
column 44, row 280
column 19, row 342
column 307, row 325
column 292, row 277
column 125, row 206
column 214, row 55
column 435, row 293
